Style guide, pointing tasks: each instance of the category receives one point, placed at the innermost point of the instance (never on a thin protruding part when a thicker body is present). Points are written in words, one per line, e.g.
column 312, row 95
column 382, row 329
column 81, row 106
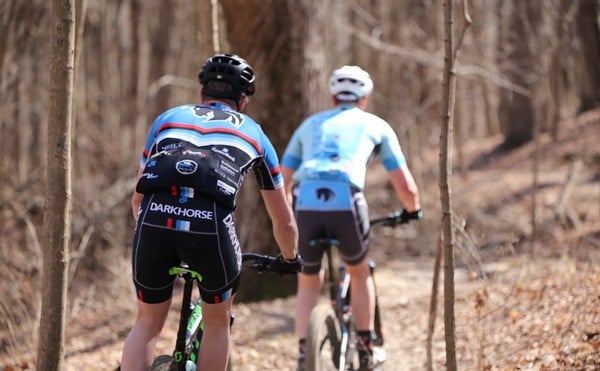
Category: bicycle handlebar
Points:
column 266, row 263
column 399, row 217
column 389, row 219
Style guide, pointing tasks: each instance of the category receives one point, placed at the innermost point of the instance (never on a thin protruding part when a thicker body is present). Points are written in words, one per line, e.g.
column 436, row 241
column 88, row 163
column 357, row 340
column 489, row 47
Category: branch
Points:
column 468, row 22
column 430, row 59
column 566, row 191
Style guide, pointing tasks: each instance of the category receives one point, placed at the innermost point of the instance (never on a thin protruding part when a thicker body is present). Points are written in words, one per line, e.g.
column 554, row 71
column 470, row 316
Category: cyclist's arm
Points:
column 406, row 188
column 136, row 198
column 288, row 182
column 285, row 229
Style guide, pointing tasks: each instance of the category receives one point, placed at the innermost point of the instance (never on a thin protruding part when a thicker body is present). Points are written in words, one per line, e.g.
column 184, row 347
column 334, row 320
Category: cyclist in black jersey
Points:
column 193, row 164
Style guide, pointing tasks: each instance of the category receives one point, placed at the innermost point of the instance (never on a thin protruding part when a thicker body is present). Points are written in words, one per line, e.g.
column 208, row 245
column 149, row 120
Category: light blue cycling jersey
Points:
column 337, row 145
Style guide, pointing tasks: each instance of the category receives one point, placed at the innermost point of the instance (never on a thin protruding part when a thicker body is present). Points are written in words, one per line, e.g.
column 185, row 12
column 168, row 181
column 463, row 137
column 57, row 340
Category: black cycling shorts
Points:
column 174, row 228
column 350, row 227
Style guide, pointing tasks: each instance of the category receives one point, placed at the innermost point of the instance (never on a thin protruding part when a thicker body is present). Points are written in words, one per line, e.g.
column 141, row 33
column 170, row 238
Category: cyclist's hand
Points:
column 406, row 216
column 283, row 266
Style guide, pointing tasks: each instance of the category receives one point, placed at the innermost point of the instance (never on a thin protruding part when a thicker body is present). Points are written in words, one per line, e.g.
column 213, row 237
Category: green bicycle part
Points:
column 178, row 356
column 180, row 270
column 194, row 317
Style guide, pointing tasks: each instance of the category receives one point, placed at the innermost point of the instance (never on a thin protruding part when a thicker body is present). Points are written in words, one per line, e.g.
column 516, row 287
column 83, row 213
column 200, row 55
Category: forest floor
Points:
column 519, row 304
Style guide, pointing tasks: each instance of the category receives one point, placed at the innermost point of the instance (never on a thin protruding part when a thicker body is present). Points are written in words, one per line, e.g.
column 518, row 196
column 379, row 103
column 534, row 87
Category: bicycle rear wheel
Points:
column 323, row 343
column 164, row 363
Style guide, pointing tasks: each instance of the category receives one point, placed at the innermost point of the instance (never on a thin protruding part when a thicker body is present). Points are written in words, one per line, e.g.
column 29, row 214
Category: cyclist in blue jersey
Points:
column 324, row 168
column 192, row 166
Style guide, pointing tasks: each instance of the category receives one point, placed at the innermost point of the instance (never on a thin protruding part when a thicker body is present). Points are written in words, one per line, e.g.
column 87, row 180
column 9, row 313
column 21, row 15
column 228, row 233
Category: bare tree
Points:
column 447, row 116
column 159, row 43
column 589, row 32
column 433, row 305
column 57, row 217
column 516, row 109
column 8, row 9
column 208, row 23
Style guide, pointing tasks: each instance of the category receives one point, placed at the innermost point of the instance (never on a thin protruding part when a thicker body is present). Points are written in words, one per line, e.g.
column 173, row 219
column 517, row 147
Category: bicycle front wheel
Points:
column 164, row 363
column 323, row 342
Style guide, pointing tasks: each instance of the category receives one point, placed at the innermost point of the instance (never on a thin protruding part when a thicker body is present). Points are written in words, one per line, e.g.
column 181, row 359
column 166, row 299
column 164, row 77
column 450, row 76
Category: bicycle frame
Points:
column 339, row 322
column 191, row 325
column 339, row 295
column 190, row 330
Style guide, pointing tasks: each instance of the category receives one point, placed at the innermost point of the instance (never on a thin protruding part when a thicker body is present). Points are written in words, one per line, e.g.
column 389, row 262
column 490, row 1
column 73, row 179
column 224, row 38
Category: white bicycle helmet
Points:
column 350, row 83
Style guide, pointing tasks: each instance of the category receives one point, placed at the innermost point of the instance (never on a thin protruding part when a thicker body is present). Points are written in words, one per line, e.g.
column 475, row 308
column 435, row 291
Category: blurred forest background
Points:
column 524, row 67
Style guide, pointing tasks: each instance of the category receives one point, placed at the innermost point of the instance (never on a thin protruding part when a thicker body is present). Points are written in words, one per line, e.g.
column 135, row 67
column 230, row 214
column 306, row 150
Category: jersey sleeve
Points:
column 267, row 170
column 292, row 156
column 390, row 153
column 150, row 142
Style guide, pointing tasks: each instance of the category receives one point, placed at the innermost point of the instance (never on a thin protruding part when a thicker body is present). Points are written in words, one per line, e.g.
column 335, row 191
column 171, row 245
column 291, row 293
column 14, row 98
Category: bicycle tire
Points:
column 164, row 363
column 323, row 342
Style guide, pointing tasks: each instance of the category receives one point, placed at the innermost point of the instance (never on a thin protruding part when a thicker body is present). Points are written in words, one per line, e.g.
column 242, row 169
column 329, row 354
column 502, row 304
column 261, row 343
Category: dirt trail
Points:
column 542, row 315
column 263, row 336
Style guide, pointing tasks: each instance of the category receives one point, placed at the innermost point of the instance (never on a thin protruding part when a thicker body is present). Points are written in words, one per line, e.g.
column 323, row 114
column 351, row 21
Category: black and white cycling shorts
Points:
column 174, row 228
column 331, row 210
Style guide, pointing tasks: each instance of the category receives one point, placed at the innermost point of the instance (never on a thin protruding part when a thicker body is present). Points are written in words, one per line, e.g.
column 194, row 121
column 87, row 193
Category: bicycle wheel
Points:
column 323, row 343
column 164, row 363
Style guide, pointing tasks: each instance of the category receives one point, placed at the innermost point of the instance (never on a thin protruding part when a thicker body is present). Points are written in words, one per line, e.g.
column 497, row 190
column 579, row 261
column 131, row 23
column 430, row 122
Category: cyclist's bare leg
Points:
column 362, row 292
column 138, row 350
column 309, row 288
column 214, row 349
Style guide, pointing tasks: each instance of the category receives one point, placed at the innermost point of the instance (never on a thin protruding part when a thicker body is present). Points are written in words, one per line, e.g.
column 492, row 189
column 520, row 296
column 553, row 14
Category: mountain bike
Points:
column 332, row 340
column 191, row 325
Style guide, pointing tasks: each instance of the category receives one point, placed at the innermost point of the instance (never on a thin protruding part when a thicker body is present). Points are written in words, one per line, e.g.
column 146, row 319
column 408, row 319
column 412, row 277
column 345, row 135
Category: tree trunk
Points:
column 208, row 28
column 447, row 115
column 589, row 32
column 433, row 305
column 293, row 76
column 58, row 191
column 516, row 110
column 159, row 44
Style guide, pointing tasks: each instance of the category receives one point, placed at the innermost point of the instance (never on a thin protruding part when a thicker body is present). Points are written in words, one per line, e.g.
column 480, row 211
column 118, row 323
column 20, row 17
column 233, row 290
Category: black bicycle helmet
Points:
column 230, row 69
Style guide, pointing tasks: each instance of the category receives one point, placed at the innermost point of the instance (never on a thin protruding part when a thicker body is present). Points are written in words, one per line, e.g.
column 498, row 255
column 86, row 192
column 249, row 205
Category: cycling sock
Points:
column 365, row 337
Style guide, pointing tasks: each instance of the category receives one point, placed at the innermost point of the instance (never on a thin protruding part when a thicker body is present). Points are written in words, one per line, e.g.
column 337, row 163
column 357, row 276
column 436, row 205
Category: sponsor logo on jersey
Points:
column 230, row 225
column 181, row 211
column 149, row 176
column 193, row 153
column 223, row 152
column 171, row 146
column 225, row 188
column 325, row 194
column 228, row 168
column 186, row 167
